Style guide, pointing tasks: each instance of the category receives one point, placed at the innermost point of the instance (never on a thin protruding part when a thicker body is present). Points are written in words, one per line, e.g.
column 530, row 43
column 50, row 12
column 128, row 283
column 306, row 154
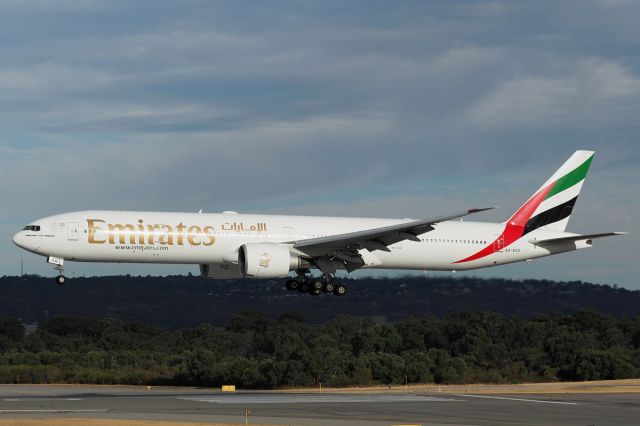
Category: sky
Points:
column 362, row 108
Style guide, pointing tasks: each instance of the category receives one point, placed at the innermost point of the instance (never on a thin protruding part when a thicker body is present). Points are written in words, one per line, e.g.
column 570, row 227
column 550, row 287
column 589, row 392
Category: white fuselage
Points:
column 214, row 239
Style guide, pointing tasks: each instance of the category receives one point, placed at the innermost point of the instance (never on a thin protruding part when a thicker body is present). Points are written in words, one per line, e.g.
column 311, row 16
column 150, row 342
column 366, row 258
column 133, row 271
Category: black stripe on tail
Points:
column 552, row 215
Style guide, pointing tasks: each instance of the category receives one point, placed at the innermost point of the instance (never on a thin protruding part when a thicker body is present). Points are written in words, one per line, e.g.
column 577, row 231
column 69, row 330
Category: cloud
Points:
column 596, row 90
column 50, row 77
column 612, row 3
column 321, row 107
column 50, row 4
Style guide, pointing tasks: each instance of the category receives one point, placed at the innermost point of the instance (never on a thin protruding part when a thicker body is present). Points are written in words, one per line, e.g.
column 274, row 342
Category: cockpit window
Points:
column 35, row 228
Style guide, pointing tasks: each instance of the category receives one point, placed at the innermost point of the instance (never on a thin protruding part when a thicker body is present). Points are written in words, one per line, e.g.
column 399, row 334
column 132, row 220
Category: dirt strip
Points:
column 602, row 386
column 104, row 422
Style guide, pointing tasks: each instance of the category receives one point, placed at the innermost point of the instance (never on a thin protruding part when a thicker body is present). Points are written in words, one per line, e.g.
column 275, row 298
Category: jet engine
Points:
column 267, row 260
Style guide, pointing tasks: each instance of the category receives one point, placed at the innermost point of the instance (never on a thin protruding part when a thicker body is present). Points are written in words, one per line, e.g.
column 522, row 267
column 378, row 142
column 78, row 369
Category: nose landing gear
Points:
column 58, row 265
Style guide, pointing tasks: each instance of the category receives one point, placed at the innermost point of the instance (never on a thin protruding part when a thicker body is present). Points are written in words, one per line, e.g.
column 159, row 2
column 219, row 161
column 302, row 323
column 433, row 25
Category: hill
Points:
column 185, row 301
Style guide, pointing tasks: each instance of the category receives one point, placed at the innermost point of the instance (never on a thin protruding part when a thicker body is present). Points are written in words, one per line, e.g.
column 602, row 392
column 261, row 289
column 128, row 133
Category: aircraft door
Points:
column 73, row 231
column 498, row 244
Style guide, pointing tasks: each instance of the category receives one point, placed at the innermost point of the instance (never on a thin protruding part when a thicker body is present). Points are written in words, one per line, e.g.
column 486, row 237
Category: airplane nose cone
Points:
column 17, row 239
column 27, row 242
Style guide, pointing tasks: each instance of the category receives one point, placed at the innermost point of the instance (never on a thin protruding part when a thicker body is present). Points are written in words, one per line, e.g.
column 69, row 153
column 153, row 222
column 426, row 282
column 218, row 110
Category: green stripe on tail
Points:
column 570, row 179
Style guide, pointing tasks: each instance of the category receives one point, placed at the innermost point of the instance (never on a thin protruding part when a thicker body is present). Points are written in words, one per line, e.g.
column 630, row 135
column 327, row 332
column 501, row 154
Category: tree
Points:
column 325, row 361
column 12, row 329
column 604, row 365
column 418, row 367
column 385, row 368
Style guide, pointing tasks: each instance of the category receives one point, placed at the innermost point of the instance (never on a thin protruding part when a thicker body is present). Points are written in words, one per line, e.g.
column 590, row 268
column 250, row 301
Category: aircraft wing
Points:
column 575, row 238
column 345, row 246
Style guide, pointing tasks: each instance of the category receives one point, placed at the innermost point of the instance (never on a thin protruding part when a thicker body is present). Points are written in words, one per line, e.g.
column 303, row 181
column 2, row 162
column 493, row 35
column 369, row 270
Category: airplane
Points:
column 231, row 245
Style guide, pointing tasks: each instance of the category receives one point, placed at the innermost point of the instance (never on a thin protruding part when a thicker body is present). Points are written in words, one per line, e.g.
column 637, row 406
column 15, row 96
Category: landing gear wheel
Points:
column 317, row 285
column 314, row 291
column 303, row 287
column 60, row 279
column 340, row 290
column 291, row 284
column 329, row 287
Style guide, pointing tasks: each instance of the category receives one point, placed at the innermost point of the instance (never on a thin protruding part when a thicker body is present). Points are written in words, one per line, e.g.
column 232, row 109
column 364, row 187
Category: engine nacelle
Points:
column 267, row 260
column 224, row 271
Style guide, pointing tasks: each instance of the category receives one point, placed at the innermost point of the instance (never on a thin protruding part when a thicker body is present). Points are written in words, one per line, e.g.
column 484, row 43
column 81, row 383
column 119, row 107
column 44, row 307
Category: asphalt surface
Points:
column 201, row 405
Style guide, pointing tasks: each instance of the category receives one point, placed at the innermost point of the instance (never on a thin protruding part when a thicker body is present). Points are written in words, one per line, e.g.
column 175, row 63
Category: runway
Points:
column 200, row 405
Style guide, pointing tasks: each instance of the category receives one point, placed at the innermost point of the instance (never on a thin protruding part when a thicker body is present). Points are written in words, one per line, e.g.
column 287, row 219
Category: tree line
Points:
column 255, row 352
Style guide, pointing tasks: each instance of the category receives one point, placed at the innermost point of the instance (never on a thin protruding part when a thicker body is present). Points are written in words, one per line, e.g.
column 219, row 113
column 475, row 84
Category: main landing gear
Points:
column 316, row 285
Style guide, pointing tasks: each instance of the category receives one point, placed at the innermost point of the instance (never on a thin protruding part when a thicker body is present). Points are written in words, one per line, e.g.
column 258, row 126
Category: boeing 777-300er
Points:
column 232, row 245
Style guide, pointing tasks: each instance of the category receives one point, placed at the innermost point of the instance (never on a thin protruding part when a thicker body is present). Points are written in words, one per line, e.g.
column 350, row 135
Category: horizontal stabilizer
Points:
column 575, row 238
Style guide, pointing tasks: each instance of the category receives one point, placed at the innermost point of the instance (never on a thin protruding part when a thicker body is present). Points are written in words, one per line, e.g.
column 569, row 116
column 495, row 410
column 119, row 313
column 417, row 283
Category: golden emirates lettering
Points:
column 101, row 232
